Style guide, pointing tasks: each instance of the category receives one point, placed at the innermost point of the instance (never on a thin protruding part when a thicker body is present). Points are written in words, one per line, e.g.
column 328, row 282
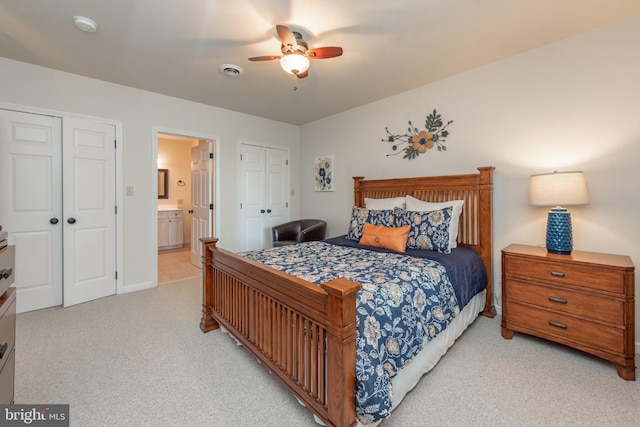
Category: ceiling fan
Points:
column 296, row 53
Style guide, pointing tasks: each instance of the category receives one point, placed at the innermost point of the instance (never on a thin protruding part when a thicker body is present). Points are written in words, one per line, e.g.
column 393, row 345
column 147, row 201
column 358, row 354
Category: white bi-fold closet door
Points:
column 57, row 186
column 264, row 194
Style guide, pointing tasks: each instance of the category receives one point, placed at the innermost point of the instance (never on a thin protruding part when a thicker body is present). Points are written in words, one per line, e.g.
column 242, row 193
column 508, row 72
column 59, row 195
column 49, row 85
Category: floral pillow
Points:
column 414, row 204
column 361, row 215
column 429, row 229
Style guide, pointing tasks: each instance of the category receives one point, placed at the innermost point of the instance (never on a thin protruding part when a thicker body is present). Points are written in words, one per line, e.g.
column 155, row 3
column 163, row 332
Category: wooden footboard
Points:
column 303, row 333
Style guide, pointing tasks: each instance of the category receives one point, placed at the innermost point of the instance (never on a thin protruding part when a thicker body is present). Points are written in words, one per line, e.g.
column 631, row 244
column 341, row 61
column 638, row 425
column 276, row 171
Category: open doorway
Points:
column 185, row 179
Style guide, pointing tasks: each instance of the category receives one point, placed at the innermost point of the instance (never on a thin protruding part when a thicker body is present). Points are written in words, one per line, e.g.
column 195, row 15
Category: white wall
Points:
column 573, row 105
column 140, row 111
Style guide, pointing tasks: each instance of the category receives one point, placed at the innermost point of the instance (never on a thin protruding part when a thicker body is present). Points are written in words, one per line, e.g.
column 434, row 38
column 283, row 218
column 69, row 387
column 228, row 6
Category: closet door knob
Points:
column 261, row 210
column 71, row 220
column 53, row 220
column 268, row 210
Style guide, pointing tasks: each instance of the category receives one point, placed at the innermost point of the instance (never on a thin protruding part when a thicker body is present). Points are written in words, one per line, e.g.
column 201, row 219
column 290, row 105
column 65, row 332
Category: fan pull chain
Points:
column 295, row 82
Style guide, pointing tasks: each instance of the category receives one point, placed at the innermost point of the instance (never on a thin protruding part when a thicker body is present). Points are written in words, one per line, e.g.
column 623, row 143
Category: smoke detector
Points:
column 230, row 70
column 85, row 24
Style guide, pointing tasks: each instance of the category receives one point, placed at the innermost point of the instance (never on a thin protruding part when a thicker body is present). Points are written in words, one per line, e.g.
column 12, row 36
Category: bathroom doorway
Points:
column 181, row 221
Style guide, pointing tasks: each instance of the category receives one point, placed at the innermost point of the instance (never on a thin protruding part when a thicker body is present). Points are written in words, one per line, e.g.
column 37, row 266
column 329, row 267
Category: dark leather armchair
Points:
column 301, row 230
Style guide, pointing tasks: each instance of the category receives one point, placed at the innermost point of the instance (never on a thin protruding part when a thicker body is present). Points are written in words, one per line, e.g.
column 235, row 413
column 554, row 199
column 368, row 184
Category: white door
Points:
column 58, row 192
column 31, row 207
column 276, row 189
column 252, row 201
column 264, row 189
column 89, row 210
column 201, row 198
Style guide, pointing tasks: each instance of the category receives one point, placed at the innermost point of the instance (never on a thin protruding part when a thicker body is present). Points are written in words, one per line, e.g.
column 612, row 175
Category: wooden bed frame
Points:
column 306, row 334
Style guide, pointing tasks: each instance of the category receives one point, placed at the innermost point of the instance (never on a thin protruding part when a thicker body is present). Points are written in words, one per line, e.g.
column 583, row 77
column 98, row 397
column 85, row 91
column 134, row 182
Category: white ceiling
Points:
column 174, row 47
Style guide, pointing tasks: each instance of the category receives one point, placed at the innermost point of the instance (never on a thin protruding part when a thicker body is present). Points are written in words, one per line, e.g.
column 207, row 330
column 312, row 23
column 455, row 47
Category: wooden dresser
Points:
column 7, row 320
column 7, row 345
column 584, row 300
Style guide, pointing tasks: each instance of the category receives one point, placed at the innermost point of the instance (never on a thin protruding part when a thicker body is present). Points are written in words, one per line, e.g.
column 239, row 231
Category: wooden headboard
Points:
column 476, row 220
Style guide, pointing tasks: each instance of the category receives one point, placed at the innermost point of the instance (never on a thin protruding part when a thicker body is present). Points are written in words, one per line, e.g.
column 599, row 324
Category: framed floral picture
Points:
column 323, row 173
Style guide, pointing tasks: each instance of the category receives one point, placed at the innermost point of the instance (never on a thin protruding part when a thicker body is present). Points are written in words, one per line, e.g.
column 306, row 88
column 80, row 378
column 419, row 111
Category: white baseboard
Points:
column 138, row 287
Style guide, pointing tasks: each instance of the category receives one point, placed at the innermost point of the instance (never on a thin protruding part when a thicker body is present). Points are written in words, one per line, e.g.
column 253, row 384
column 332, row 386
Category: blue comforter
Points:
column 404, row 303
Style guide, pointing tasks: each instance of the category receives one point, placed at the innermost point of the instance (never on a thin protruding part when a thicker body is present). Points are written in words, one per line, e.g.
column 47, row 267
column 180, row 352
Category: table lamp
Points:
column 556, row 189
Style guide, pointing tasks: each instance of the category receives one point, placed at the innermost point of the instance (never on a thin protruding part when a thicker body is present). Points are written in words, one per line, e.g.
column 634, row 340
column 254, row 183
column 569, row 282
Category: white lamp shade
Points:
column 558, row 189
column 294, row 63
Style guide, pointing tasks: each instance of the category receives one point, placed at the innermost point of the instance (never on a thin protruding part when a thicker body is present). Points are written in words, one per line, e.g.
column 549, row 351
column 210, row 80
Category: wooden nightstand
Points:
column 584, row 300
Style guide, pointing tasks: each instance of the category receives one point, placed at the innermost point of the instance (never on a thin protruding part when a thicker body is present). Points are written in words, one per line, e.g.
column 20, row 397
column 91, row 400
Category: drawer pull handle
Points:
column 558, row 300
column 557, row 274
column 6, row 273
column 557, row 324
column 3, row 349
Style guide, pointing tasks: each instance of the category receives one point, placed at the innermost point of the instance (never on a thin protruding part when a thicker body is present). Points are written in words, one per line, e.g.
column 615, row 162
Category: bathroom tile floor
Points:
column 175, row 264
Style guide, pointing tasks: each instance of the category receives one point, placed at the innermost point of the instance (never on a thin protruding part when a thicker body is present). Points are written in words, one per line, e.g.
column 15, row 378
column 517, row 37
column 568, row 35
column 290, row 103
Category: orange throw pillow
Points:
column 392, row 238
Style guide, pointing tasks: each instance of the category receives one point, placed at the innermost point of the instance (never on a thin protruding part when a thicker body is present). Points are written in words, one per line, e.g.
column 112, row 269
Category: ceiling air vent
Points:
column 230, row 70
column 85, row 24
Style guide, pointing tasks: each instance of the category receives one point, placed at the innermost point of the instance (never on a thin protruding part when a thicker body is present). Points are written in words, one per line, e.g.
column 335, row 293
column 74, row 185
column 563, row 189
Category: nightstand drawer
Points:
column 7, row 379
column 549, row 325
column 557, row 272
column 7, row 331
column 7, row 267
column 564, row 301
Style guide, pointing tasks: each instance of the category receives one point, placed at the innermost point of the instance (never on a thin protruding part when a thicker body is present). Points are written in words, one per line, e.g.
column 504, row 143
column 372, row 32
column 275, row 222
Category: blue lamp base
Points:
column 559, row 236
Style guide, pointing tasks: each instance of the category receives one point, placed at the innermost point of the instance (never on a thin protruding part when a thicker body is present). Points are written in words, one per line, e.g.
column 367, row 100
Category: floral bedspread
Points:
column 404, row 303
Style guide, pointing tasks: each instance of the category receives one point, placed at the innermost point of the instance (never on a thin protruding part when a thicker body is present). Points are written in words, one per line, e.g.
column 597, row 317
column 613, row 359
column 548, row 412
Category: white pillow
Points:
column 414, row 204
column 384, row 204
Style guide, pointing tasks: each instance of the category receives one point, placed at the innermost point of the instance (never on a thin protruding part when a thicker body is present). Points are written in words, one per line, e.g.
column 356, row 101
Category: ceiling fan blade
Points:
column 324, row 52
column 265, row 58
column 286, row 36
column 302, row 75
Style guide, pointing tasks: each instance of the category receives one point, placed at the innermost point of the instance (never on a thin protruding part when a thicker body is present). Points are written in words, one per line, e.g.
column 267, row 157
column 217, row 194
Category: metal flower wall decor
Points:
column 419, row 141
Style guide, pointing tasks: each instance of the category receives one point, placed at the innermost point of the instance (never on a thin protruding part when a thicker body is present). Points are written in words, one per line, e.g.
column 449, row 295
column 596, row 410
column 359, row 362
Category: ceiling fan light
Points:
column 294, row 63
